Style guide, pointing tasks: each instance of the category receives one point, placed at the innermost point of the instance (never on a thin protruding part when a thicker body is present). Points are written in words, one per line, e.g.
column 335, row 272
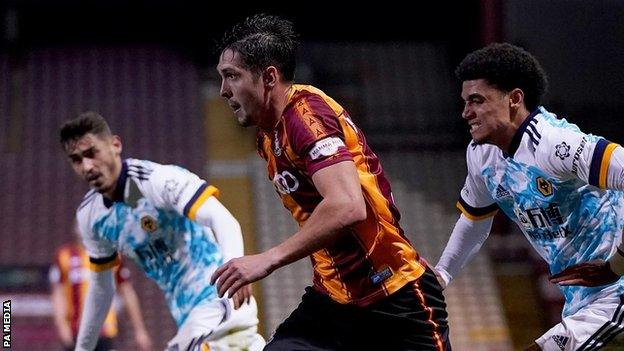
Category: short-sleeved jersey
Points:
column 373, row 258
column 69, row 269
column 151, row 221
column 553, row 185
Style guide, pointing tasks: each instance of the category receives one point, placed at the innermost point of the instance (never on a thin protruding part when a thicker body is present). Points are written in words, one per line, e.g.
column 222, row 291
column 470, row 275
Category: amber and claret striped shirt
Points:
column 71, row 270
column 373, row 258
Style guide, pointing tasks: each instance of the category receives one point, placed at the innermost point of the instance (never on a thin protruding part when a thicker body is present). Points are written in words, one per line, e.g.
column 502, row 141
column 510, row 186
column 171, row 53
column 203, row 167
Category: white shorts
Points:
column 598, row 324
column 219, row 326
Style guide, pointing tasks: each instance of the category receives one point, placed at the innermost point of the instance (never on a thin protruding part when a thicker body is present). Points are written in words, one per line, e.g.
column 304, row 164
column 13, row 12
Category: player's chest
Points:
column 529, row 195
column 284, row 167
column 133, row 228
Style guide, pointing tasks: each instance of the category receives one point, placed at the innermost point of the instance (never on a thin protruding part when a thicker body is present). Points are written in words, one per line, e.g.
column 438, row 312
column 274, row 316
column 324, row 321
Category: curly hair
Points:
column 506, row 67
column 264, row 40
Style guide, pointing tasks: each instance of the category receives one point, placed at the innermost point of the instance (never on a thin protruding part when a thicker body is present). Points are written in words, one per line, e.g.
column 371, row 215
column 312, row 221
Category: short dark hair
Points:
column 84, row 123
column 506, row 67
column 264, row 40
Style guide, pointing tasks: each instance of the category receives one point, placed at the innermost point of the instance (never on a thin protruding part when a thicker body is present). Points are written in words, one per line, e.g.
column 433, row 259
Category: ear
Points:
column 516, row 98
column 270, row 76
column 117, row 145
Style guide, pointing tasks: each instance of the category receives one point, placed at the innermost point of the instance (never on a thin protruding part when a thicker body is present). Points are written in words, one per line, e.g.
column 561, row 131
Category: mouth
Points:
column 234, row 106
column 93, row 178
column 474, row 126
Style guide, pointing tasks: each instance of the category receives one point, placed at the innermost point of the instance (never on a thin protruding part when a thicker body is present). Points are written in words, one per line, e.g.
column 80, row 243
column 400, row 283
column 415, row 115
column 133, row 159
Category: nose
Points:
column 225, row 90
column 466, row 112
column 87, row 165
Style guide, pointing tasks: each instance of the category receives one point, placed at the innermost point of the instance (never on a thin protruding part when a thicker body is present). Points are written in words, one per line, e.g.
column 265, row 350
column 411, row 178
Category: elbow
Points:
column 354, row 212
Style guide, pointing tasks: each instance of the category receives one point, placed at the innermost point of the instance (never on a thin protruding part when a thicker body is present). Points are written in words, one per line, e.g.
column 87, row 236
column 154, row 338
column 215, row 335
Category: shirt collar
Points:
column 120, row 187
column 517, row 138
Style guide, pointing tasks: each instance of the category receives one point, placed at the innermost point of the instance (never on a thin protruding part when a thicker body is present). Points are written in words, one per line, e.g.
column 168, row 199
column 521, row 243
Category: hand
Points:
column 143, row 340
column 441, row 280
column 241, row 271
column 591, row 273
column 242, row 296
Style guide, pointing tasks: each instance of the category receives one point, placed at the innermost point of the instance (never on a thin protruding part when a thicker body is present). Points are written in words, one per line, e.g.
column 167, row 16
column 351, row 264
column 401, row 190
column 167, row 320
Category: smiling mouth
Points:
column 474, row 126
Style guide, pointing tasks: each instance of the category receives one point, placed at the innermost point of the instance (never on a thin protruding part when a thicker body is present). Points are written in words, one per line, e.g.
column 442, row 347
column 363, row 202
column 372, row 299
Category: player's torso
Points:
column 564, row 219
column 372, row 258
column 177, row 253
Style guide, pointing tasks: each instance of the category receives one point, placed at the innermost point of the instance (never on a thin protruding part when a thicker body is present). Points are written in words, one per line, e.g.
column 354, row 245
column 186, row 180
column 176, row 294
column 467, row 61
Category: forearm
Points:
column 59, row 309
column 225, row 227
column 133, row 307
column 321, row 229
column 616, row 262
column 97, row 304
column 465, row 241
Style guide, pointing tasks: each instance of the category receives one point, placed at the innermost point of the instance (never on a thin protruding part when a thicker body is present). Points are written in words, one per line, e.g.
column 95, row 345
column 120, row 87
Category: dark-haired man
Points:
column 171, row 224
column 560, row 185
column 371, row 289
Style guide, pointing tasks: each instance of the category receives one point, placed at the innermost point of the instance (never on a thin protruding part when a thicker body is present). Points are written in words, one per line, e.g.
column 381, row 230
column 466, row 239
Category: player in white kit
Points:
column 561, row 186
column 171, row 224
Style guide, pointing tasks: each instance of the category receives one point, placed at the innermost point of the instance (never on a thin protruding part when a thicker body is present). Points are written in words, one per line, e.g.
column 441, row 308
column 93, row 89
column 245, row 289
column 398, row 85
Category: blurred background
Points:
column 149, row 68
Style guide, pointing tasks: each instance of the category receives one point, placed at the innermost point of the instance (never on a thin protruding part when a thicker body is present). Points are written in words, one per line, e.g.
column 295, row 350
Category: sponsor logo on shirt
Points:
column 382, row 275
column 562, row 150
column 325, row 147
column 277, row 148
column 173, row 191
column 577, row 155
column 544, row 186
column 149, row 224
column 285, row 182
column 501, row 192
column 561, row 341
column 543, row 223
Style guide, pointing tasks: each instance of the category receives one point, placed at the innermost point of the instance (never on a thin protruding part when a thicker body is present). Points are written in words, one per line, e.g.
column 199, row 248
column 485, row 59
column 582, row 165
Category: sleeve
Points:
column 97, row 304
column 315, row 134
column 475, row 201
column 173, row 187
column 225, row 227
column 466, row 239
column 102, row 253
column 570, row 153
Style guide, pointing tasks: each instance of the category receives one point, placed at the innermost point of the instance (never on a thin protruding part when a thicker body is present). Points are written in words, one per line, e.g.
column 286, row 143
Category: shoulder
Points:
column 481, row 155
column 558, row 138
column 141, row 169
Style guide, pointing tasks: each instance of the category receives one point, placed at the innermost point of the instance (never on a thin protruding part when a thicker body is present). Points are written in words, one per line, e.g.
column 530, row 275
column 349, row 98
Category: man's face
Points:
column 242, row 88
column 97, row 160
column 486, row 109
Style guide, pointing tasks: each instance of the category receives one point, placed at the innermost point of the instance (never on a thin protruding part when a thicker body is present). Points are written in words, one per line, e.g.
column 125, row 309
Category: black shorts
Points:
column 413, row 318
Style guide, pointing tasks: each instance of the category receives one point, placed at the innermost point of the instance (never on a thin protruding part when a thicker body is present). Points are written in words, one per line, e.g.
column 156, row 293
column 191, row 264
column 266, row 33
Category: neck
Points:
column 507, row 136
column 110, row 193
column 277, row 100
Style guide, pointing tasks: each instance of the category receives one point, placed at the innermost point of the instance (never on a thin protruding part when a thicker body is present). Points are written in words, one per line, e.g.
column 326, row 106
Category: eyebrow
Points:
column 474, row 95
column 73, row 154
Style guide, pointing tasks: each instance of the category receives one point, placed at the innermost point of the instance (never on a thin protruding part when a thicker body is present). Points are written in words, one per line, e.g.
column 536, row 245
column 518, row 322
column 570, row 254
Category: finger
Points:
column 237, row 301
column 225, row 283
column 565, row 277
column 218, row 273
column 249, row 293
column 568, row 271
column 235, row 287
column 577, row 281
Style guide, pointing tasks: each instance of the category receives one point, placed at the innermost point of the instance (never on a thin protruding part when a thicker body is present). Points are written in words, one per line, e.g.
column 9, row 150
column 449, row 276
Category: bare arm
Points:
column 133, row 308
column 342, row 205
column 59, row 309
